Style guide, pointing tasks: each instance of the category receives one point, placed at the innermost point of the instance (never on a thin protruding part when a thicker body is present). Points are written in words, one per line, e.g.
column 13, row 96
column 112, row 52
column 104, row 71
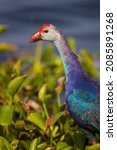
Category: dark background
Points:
column 76, row 18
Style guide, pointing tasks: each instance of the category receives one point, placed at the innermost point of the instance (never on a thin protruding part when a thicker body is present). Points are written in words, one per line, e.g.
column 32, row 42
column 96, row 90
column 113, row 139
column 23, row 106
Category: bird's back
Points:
column 83, row 99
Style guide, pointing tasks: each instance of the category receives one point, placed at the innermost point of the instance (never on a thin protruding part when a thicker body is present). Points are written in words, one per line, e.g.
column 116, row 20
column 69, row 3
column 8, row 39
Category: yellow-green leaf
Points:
column 63, row 145
column 6, row 115
column 16, row 69
column 15, row 84
column 37, row 119
column 42, row 92
column 7, row 47
column 93, row 147
column 72, row 43
column 42, row 146
column 4, row 144
column 57, row 116
column 33, row 145
column 3, row 28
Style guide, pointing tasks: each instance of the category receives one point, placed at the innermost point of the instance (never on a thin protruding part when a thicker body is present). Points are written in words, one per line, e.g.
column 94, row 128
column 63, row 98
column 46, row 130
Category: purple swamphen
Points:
column 82, row 93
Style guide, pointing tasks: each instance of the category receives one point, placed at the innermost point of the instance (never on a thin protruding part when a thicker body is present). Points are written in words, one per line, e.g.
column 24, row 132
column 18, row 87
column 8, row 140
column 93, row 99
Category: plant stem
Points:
column 45, row 110
column 50, row 135
column 38, row 53
column 10, row 100
column 58, row 100
column 6, row 130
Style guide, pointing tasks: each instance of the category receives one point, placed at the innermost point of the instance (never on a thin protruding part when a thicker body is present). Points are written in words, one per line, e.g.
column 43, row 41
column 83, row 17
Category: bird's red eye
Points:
column 46, row 31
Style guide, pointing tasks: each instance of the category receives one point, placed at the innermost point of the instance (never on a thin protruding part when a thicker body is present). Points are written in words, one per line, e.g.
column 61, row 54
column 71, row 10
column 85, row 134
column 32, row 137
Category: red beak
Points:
column 35, row 37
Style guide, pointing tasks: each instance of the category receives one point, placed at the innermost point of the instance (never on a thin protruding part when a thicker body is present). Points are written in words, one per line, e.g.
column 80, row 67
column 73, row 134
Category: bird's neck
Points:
column 65, row 54
column 72, row 67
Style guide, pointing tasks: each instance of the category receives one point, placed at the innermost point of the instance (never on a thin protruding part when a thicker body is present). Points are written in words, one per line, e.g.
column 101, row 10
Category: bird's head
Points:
column 46, row 33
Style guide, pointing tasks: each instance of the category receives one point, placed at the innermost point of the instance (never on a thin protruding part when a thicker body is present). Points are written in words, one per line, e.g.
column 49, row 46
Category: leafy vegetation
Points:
column 32, row 109
column 3, row 28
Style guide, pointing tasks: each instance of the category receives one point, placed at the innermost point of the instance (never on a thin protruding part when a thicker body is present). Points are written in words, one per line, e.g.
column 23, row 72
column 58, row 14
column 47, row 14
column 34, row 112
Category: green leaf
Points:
column 4, row 144
column 42, row 92
column 15, row 84
column 33, row 145
column 16, row 69
column 37, row 68
column 15, row 144
column 37, row 119
column 68, row 148
column 7, row 47
column 72, row 43
column 47, row 56
column 57, row 116
column 93, row 147
column 51, row 82
column 63, row 146
column 78, row 140
column 6, row 115
column 3, row 28
column 42, row 146
column 88, row 62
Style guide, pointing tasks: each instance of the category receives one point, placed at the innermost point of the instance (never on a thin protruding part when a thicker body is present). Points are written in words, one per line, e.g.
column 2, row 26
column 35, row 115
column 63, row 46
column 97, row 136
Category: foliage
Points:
column 7, row 47
column 87, row 60
column 3, row 28
column 32, row 111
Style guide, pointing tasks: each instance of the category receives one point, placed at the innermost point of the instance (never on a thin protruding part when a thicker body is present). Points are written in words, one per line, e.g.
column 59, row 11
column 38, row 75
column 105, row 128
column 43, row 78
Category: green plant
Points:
column 32, row 111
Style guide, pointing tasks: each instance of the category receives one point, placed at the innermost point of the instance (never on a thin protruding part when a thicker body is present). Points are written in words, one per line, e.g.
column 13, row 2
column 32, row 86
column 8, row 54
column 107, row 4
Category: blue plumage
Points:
column 82, row 93
column 84, row 108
